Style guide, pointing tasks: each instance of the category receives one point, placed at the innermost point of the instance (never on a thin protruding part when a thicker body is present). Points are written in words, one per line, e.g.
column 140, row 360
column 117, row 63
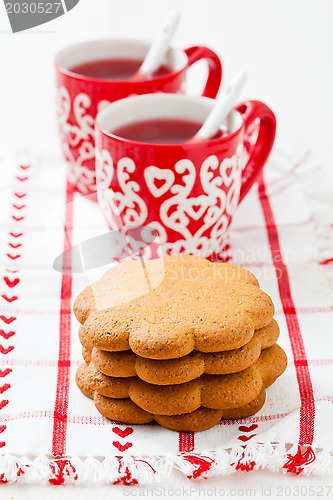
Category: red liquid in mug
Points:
column 161, row 131
column 114, row 69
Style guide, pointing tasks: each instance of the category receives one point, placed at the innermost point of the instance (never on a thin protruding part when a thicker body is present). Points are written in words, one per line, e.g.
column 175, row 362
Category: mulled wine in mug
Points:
column 95, row 73
column 149, row 173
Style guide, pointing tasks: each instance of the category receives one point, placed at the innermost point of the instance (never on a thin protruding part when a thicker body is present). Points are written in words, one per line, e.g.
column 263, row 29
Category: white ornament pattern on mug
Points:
column 78, row 139
column 123, row 207
column 180, row 213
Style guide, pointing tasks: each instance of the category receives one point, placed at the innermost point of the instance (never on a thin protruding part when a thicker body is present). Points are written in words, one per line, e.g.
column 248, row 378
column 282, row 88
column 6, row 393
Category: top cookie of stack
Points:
column 172, row 306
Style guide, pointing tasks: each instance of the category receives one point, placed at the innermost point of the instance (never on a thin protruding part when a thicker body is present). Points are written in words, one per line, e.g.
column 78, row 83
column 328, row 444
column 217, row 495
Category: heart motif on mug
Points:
column 158, row 180
column 227, row 170
column 196, row 207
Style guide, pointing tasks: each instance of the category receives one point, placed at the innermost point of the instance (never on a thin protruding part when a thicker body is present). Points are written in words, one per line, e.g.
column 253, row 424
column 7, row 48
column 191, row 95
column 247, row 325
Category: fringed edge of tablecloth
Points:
column 147, row 470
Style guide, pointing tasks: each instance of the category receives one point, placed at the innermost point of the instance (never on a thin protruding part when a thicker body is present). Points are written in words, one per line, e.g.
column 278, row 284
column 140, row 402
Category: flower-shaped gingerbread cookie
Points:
column 219, row 392
column 186, row 368
column 169, row 307
column 124, row 410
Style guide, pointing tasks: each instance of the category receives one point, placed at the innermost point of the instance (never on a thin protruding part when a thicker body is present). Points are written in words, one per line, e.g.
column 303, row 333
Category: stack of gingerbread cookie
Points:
column 179, row 340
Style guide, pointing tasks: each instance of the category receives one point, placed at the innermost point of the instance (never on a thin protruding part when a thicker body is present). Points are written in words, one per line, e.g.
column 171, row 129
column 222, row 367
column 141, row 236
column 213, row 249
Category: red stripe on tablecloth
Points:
column 77, row 362
column 48, row 312
column 326, row 261
column 95, row 420
column 307, row 410
column 186, row 441
column 39, row 362
column 61, row 402
column 74, row 419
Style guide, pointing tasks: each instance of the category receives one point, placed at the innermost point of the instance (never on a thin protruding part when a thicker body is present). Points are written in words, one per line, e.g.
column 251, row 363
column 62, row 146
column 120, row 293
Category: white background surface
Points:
column 286, row 46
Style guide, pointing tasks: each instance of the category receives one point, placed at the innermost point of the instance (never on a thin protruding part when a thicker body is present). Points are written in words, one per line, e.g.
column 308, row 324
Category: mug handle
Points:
column 259, row 151
column 213, row 82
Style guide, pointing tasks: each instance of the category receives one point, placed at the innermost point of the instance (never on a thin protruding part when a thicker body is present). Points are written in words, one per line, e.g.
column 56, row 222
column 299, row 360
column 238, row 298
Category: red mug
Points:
column 80, row 98
column 187, row 192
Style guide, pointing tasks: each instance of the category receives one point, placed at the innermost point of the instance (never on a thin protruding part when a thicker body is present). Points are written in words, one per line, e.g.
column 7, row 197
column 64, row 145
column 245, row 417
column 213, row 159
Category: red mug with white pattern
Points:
column 187, row 192
column 80, row 97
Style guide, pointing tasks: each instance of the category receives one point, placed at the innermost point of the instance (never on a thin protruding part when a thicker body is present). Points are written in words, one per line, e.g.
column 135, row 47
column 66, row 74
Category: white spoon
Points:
column 159, row 48
column 221, row 109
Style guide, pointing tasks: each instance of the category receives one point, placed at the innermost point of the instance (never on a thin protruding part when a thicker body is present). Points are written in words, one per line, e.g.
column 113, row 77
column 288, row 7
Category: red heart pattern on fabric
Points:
column 250, row 428
column 4, row 388
column 9, row 299
column 246, row 438
column 3, row 403
column 121, row 447
column 122, row 433
column 11, row 283
column 6, row 350
column 13, row 257
column 7, row 320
